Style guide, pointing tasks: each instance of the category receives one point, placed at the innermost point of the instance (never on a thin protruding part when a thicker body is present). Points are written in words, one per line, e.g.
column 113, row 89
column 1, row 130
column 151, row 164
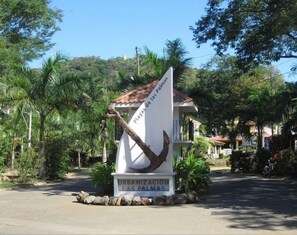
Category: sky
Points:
column 113, row 28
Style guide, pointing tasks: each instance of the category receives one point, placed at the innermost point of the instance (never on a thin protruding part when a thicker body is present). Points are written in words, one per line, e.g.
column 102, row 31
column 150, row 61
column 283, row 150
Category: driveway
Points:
column 236, row 204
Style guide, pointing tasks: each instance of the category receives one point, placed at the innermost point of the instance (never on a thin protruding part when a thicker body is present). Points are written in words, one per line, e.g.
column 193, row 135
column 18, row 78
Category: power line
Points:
column 196, row 57
column 269, row 78
column 287, row 61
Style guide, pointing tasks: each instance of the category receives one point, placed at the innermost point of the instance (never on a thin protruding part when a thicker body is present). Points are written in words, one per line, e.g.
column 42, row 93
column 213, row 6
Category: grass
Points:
column 219, row 163
column 220, row 168
column 7, row 185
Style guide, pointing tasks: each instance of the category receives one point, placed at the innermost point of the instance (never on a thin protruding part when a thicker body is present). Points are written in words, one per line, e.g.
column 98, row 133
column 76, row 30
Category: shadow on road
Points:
column 253, row 202
column 76, row 181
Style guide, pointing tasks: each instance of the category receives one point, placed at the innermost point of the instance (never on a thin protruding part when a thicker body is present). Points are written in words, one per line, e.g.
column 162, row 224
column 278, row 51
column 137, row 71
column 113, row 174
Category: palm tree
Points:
column 52, row 93
column 46, row 92
column 156, row 64
column 174, row 55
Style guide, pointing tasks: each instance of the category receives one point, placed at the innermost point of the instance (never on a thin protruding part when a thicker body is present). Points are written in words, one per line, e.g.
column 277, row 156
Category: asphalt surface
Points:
column 236, row 204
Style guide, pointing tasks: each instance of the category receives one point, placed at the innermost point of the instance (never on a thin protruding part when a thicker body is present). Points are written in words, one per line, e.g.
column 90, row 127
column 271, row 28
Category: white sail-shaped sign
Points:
column 154, row 116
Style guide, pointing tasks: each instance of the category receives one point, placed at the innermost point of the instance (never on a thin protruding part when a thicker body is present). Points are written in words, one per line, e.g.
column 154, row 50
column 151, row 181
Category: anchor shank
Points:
column 147, row 151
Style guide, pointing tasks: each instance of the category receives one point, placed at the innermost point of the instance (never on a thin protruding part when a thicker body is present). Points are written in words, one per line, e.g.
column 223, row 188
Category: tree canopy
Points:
column 257, row 30
column 226, row 95
column 26, row 29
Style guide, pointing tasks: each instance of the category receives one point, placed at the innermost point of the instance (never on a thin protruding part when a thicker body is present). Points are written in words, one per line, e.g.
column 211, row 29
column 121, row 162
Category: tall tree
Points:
column 26, row 29
column 257, row 30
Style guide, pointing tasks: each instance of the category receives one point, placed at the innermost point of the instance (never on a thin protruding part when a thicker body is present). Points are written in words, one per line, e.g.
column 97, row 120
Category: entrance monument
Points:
column 144, row 163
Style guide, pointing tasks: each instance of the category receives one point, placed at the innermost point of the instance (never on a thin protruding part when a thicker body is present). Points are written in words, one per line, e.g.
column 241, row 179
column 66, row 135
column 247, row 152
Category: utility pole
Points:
column 103, row 138
column 137, row 58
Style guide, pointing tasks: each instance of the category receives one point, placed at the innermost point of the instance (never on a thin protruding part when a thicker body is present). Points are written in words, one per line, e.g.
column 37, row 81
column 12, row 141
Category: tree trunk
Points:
column 103, row 139
column 41, row 148
column 30, row 129
column 12, row 153
column 78, row 156
column 260, row 134
column 271, row 147
column 104, row 155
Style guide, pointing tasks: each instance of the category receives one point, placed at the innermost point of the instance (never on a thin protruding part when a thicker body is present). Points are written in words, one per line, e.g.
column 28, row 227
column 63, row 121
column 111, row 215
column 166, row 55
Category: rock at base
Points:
column 89, row 199
column 159, row 200
column 112, row 201
column 136, row 201
column 193, row 197
column 97, row 201
column 146, row 201
column 181, row 199
column 127, row 200
column 81, row 196
column 105, row 200
column 119, row 201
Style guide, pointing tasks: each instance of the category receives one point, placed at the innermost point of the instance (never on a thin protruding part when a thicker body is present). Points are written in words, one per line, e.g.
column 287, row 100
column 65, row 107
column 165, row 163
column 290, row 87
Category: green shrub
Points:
column 4, row 152
column 57, row 158
column 101, row 176
column 28, row 167
column 286, row 163
column 200, row 146
column 2, row 163
column 243, row 161
column 192, row 174
column 262, row 157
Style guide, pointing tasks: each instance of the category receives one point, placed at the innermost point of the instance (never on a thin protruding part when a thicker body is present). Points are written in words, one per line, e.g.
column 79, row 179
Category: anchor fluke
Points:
column 156, row 160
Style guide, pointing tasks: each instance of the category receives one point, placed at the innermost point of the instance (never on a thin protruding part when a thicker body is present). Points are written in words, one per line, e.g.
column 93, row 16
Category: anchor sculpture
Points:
column 155, row 160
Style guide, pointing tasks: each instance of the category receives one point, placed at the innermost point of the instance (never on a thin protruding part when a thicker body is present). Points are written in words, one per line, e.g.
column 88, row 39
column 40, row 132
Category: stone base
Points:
column 145, row 185
column 129, row 200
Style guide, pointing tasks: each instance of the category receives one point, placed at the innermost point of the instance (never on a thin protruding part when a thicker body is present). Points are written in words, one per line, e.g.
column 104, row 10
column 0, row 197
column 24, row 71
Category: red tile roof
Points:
column 139, row 94
column 225, row 138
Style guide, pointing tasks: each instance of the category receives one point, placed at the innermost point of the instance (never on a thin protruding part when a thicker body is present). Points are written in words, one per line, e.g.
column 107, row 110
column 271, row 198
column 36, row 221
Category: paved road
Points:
column 254, row 203
column 237, row 204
